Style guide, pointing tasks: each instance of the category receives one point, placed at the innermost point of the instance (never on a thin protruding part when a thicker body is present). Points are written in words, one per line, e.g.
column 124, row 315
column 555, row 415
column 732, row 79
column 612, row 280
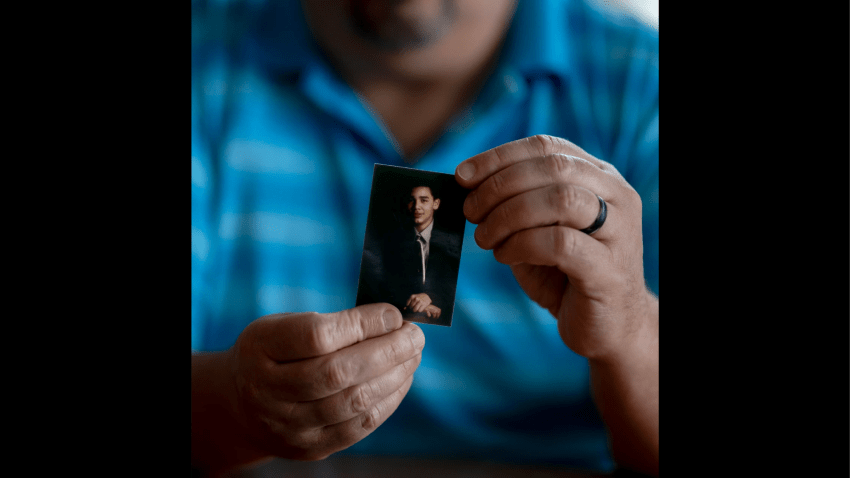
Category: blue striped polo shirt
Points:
column 282, row 158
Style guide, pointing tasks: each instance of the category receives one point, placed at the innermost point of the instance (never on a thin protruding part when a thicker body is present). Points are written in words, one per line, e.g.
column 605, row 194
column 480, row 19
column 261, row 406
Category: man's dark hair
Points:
column 435, row 189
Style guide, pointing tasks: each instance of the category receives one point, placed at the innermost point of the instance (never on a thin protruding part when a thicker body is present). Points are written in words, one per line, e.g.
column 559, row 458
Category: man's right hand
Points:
column 418, row 302
column 303, row 386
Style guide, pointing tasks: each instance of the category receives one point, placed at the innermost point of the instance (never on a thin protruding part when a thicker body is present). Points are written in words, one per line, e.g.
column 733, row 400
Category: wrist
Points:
column 625, row 389
column 640, row 340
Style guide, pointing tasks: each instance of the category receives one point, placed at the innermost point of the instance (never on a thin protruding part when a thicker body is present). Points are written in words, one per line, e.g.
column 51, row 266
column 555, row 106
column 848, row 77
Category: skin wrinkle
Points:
column 370, row 419
column 496, row 184
column 394, row 351
column 361, row 400
column 545, row 143
column 565, row 245
column 560, row 199
column 335, row 375
column 344, row 327
column 561, row 164
column 321, row 336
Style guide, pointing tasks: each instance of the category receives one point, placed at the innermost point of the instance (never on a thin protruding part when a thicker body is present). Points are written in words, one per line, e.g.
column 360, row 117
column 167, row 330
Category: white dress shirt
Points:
column 426, row 247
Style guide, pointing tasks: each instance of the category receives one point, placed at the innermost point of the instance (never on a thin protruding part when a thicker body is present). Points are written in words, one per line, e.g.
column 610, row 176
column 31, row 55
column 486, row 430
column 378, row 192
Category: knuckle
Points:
column 563, row 198
column 370, row 419
column 558, row 165
column 544, row 143
column 360, row 400
column 334, row 375
column 355, row 323
column 320, row 336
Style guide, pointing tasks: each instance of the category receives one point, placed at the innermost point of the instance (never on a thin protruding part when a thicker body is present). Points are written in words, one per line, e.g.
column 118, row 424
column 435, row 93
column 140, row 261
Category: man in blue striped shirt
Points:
column 292, row 107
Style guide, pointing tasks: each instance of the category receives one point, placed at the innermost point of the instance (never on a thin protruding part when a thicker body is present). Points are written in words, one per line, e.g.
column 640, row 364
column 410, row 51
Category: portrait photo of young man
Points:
column 412, row 248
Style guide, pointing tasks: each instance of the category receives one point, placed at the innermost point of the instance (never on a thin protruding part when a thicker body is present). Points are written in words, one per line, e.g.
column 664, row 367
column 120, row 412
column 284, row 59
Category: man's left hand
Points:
column 530, row 199
column 433, row 311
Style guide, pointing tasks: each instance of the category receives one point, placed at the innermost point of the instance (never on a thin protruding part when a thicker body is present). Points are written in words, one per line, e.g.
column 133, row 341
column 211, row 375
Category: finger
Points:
column 306, row 335
column 410, row 300
column 561, row 204
column 532, row 174
column 324, row 376
column 583, row 259
column 473, row 171
column 354, row 400
column 339, row 436
column 419, row 307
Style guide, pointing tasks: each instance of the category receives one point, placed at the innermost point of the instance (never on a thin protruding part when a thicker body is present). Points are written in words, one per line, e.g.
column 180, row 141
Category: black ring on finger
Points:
column 600, row 219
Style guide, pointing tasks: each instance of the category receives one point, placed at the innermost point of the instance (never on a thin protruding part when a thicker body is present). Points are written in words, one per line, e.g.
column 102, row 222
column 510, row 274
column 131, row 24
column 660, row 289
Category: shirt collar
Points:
column 280, row 39
column 537, row 41
column 427, row 232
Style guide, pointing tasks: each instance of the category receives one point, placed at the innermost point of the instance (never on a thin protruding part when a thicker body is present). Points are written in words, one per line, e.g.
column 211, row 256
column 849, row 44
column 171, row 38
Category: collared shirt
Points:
column 282, row 159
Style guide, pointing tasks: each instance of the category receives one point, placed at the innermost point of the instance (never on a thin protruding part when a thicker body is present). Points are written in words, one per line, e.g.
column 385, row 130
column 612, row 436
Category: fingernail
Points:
column 418, row 337
column 466, row 170
column 389, row 320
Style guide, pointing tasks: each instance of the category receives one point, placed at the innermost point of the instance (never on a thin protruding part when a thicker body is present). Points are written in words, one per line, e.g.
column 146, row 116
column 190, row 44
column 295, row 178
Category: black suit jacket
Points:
column 396, row 271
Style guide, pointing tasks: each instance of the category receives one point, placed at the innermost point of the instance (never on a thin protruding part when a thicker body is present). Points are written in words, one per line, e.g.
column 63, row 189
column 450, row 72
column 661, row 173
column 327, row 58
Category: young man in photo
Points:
column 422, row 258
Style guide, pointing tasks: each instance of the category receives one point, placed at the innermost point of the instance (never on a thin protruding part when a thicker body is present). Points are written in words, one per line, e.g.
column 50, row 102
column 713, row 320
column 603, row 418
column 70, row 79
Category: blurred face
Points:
column 422, row 205
column 412, row 38
column 402, row 24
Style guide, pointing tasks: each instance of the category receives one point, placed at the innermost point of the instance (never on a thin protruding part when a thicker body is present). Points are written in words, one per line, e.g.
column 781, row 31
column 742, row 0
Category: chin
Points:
column 402, row 26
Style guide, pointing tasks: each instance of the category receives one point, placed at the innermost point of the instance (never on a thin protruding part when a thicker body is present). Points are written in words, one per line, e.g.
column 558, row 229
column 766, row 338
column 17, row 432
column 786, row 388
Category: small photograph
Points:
column 411, row 252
